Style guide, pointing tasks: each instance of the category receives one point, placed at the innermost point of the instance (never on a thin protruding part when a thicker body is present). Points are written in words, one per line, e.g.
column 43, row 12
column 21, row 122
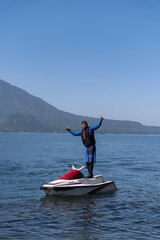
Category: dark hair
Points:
column 84, row 122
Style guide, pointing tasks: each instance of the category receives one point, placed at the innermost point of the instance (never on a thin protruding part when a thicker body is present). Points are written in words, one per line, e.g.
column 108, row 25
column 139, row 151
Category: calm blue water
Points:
column 27, row 161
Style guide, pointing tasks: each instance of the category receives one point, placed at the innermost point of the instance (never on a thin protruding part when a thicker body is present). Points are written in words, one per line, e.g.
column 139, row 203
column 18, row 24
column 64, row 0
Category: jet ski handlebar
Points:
column 80, row 169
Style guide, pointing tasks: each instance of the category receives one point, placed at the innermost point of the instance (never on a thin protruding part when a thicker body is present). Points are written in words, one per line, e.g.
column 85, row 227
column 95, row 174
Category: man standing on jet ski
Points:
column 87, row 134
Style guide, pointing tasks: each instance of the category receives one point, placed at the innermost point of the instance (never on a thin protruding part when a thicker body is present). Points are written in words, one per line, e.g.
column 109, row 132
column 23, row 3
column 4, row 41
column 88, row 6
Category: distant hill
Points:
column 18, row 122
column 22, row 112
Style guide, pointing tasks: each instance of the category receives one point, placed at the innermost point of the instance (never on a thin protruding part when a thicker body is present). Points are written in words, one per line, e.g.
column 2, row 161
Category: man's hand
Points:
column 67, row 128
column 101, row 117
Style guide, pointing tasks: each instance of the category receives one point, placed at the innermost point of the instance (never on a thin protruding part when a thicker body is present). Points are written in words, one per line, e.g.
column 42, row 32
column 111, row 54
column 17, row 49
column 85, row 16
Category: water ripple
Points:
column 28, row 161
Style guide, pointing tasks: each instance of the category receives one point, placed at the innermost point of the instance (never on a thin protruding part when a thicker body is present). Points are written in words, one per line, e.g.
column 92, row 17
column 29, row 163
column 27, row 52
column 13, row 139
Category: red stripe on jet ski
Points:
column 70, row 184
column 51, row 183
column 63, row 184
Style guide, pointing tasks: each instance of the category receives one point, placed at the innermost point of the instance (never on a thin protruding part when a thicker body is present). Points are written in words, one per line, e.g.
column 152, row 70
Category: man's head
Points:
column 84, row 124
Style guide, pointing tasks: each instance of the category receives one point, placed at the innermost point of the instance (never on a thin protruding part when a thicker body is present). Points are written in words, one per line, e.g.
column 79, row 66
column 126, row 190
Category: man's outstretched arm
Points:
column 91, row 129
column 72, row 132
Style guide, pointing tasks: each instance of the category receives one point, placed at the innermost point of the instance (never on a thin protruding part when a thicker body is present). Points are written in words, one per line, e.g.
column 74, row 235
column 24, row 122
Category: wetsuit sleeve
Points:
column 75, row 133
column 91, row 129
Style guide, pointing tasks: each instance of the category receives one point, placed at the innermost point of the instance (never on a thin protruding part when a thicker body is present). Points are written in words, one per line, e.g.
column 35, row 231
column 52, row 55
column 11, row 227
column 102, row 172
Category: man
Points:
column 87, row 134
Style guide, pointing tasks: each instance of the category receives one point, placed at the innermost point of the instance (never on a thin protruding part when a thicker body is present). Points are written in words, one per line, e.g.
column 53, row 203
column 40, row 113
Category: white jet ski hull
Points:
column 77, row 191
column 80, row 189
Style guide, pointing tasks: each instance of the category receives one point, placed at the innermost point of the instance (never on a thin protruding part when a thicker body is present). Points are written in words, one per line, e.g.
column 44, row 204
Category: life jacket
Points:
column 86, row 138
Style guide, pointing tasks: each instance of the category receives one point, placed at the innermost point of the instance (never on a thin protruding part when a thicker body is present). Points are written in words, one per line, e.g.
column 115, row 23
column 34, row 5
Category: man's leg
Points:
column 90, row 170
column 90, row 164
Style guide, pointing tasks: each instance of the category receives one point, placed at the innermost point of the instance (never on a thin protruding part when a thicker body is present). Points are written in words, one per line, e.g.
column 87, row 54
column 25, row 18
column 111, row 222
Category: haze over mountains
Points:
column 22, row 112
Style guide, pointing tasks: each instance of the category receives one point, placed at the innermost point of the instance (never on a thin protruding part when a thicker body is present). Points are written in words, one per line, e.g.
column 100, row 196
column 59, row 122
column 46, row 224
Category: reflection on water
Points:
column 78, row 213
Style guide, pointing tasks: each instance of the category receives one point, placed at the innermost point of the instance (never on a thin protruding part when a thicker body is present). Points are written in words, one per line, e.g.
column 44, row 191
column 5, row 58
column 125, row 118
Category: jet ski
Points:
column 75, row 183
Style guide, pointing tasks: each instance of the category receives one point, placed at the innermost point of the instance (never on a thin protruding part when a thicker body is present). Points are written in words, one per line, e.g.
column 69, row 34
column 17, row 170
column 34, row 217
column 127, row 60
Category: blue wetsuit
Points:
column 91, row 129
column 89, row 151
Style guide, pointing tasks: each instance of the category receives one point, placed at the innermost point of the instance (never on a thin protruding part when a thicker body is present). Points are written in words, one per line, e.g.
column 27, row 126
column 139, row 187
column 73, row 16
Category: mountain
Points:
column 22, row 112
column 18, row 122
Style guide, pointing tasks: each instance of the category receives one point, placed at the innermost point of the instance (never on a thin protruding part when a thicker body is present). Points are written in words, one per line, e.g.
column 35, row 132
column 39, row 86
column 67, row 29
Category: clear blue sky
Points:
column 87, row 57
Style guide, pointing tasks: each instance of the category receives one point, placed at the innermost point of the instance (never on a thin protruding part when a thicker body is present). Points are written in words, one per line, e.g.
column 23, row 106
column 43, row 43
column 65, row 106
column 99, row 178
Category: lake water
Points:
column 27, row 161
